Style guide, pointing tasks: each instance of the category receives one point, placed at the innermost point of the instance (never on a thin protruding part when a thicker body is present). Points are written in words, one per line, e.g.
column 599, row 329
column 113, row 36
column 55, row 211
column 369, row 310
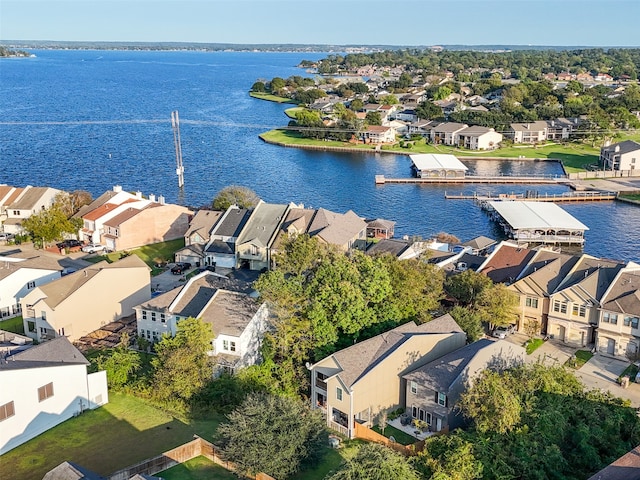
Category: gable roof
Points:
column 544, row 272
column 626, row 146
column 356, row 360
column 101, row 200
column 623, row 295
column 232, row 223
column 71, row 471
column 336, row 228
column 56, row 352
column 536, row 126
column 230, row 313
column 203, row 222
column 437, row 161
column 480, row 243
column 506, row 262
column 590, row 277
column 30, row 198
column 10, row 265
column 262, row 224
column 393, row 246
column 449, row 127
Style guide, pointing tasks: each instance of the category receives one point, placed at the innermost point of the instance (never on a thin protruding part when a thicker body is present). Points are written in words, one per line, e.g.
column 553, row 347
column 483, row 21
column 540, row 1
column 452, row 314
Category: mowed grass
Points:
column 13, row 325
column 533, row 344
column 150, row 254
column 331, row 461
column 199, row 468
column 581, row 357
column 125, row 431
column 400, row 436
column 271, row 98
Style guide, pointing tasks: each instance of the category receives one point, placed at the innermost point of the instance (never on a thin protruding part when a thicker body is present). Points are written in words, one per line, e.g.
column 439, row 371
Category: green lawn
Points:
column 150, row 254
column 631, row 371
column 331, row 461
column 199, row 468
column 291, row 112
column 581, row 357
column 13, row 325
column 125, row 431
column 532, row 344
column 271, row 98
column 399, row 435
column 631, row 196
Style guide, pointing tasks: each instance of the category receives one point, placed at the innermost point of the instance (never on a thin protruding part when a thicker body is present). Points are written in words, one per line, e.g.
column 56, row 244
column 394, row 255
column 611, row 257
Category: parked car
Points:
column 71, row 245
column 180, row 268
column 4, row 237
column 503, row 332
column 93, row 248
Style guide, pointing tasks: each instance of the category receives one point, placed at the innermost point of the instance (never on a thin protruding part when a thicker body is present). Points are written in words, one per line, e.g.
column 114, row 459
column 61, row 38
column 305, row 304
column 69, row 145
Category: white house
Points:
column 479, row 138
column 18, row 276
column 44, row 386
column 30, row 201
column 221, row 247
column 237, row 321
column 621, row 156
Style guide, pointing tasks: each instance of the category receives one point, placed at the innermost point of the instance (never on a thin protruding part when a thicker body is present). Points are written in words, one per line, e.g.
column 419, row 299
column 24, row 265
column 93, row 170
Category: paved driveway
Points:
column 602, row 372
column 551, row 353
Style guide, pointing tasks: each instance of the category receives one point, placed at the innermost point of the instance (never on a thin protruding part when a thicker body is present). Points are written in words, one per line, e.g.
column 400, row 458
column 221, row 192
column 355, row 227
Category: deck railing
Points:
column 338, row 428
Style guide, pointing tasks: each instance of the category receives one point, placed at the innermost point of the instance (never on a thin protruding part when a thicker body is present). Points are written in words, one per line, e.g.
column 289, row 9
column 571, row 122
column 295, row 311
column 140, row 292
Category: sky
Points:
column 330, row 22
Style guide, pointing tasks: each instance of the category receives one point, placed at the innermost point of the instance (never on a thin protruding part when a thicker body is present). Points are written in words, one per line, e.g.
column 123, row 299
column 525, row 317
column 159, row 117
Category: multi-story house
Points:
column 573, row 306
column 254, row 242
column 621, row 156
column 197, row 236
column 618, row 329
column 237, row 321
column 18, row 276
column 84, row 301
column 42, row 386
column 478, row 138
column 447, row 133
column 29, row 201
column 530, row 132
column 221, row 247
column 359, row 382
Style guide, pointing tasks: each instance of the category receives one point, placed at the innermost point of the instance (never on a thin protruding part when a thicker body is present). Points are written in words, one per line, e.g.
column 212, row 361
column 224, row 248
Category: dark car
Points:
column 180, row 268
column 69, row 245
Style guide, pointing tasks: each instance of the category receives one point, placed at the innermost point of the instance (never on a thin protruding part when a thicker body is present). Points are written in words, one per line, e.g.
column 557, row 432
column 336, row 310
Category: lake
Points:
column 88, row 119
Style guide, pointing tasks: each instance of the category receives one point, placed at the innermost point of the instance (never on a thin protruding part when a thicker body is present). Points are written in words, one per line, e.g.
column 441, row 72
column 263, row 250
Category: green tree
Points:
column 373, row 118
column 448, row 457
column 70, row 203
column 120, row 364
column 467, row 286
column 469, row 321
column 258, row 87
column 389, row 100
column 50, row 224
column 497, row 305
column 356, row 105
column 276, row 84
column 428, row 110
column 182, row 366
column 275, row 435
column 375, row 462
column 243, row 197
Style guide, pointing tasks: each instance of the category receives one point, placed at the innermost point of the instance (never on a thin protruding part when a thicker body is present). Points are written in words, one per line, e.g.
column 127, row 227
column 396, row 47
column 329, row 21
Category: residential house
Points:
column 584, row 77
column 447, row 106
column 478, row 138
column 296, row 223
column 480, row 245
column 221, row 248
column 530, row 132
column 566, row 76
column 138, row 224
column 618, row 329
column 535, row 285
column 506, row 262
column 197, row 236
column 380, row 228
column 344, row 230
column 573, row 306
column 422, row 127
column 8, row 195
column 446, row 133
column 107, row 205
column 29, row 201
column 431, row 165
column 434, row 389
column 379, row 134
column 237, row 321
column 84, row 301
column 561, row 128
column 400, row 248
column 406, row 115
column 20, row 275
column 476, row 100
column 359, row 382
column 621, row 156
column 42, row 387
column 11, row 343
column 253, row 246
column 603, row 77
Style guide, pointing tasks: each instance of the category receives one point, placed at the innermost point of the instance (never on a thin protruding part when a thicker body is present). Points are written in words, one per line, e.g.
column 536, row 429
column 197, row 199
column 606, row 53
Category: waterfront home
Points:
column 359, row 382
column 529, row 132
column 380, row 228
column 427, row 165
column 446, row 133
column 478, row 138
column 573, row 306
column 253, row 245
column 422, row 127
column 43, row 386
column 400, row 248
column 621, row 156
column 26, row 202
column 84, row 301
column 237, row 321
column 197, row 236
column 221, row 247
column 344, row 230
column 561, row 128
column 619, row 313
column 21, row 274
column 480, row 245
column 8, row 195
column 506, row 262
column 434, row 389
column 379, row 134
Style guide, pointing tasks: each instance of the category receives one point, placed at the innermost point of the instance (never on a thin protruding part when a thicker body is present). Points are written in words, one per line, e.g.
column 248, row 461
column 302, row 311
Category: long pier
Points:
column 522, row 180
column 588, row 196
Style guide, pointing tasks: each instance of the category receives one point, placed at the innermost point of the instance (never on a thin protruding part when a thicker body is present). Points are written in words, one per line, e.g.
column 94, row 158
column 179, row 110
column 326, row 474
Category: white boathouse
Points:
column 437, row 165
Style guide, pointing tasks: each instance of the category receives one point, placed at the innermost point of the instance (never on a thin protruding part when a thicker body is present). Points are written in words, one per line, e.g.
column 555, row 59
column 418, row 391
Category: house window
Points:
column 338, row 393
column 421, row 415
column 16, row 213
column 254, row 250
column 532, row 302
column 631, row 321
column 7, row 410
column 414, row 387
column 429, row 418
column 31, row 285
column 31, row 326
column 232, row 346
column 610, row 318
column 144, row 314
column 45, row 392
column 442, row 399
column 414, row 411
column 559, row 306
column 163, row 319
column 225, row 344
column 579, row 310
column 43, row 314
column 153, row 316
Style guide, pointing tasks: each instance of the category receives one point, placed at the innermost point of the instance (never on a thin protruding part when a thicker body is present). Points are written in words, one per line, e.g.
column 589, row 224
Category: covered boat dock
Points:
column 536, row 222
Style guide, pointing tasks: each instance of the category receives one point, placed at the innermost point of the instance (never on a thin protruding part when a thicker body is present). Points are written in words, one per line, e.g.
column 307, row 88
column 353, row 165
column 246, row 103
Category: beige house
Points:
column 530, row 132
column 618, row 329
column 359, row 382
column 84, row 301
column 254, row 242
column 345, row 230
column 573, row 306
column 447, row 133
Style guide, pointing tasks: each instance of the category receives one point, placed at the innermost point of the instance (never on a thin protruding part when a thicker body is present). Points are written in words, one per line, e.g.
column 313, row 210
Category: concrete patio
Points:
column 409, row 429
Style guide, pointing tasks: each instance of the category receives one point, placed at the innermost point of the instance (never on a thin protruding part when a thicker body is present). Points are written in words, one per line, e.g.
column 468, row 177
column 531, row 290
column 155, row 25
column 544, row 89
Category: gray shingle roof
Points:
column 59, row 351
column 203, row 222
column 232, row 223
column 29, row 200
column 624, row 294
column 627, row 146
column 71, row 471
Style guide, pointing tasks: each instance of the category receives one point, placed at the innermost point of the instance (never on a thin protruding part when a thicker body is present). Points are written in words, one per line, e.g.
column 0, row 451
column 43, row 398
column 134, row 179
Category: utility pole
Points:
column 175, row 124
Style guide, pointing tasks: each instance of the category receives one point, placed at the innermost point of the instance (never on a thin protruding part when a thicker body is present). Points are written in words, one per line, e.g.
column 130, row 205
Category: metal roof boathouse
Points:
column 536, row 222
column 427, row 165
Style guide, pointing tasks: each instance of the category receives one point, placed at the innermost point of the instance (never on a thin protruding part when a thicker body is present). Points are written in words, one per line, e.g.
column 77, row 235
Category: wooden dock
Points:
column 588, row 196
column 382, row 180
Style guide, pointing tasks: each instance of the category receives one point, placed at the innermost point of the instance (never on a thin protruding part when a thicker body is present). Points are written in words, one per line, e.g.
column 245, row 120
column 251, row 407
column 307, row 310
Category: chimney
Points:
column 152, row 197
column 161, row 200
column 117, row 188
column 139, row 195
column 617, row 148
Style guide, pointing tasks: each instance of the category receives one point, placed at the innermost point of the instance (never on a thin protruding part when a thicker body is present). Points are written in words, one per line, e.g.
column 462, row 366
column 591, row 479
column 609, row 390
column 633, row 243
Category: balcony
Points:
column 321, row 384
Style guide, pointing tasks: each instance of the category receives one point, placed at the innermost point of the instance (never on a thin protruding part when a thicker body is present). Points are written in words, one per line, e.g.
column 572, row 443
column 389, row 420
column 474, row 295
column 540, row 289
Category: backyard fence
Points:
column 195, row 448
column 365, row 433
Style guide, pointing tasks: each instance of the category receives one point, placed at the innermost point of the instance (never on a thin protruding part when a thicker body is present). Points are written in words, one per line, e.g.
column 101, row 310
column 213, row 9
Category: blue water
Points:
column 93, row 119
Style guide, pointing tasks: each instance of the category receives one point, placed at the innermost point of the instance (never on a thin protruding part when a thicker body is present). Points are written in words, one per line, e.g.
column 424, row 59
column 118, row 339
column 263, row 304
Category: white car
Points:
column 502, row 332
column 93, row 248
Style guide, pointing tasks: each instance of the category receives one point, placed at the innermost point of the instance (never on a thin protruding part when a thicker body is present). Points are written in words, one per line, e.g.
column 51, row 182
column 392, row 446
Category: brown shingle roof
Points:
column 624, row 294
column 506, row 263
column 36, row 262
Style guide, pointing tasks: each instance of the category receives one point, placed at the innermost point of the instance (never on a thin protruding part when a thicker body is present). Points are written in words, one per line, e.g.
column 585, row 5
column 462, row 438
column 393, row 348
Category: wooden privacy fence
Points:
column 369, row 435
column 195, row 448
